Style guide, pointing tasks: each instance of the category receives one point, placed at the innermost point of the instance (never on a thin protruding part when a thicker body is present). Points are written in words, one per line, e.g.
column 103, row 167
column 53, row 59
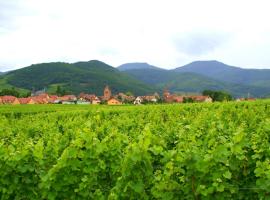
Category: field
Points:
column 188, row 151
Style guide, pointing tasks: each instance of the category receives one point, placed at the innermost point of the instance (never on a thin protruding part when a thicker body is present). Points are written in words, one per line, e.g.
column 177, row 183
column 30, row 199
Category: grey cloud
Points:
column 9, row 12
column 200, row 43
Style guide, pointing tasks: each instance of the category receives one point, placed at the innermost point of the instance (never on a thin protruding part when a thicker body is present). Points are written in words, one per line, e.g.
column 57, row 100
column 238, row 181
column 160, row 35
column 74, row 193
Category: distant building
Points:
column 91, row 98
column 53, row 99
column 114, row 101
column 107, row 94
column 68, row 99
column 146, row 99
column 125, row 98
column 27, row 100
column 246, row 99
column 39, row 100
column 138, row 101
column 166, row 94
column 201, row 98
column 172, row 98
column 150, row 98
column 96, row 100
column 9, row 100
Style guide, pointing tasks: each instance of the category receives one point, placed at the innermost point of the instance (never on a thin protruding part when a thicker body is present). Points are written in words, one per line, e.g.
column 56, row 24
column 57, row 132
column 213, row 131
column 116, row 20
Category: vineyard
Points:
column 188, row 151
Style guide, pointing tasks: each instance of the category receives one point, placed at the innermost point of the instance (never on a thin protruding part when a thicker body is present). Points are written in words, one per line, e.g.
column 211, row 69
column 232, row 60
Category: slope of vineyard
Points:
column 188, row 151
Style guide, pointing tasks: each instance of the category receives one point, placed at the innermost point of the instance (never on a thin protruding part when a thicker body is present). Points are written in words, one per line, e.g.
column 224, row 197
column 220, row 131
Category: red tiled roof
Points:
column 123, row 97
column 68, row 98
column 53, row 98
column 24, row 100
column 148, row 98
column 251, row 99
column 88, row 97
column 174, row 98
column 8, row 99
column 39, row 100
column 199, row 98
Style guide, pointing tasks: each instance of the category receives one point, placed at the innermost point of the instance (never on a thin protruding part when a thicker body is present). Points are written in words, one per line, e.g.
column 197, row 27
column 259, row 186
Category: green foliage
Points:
column 60, row 91
column 129, row 93
column 193, row 81
column 218, row 95
column 188, row 151
column 188, row 100
column 14, row 92
column 11, row 92
column 88, row 77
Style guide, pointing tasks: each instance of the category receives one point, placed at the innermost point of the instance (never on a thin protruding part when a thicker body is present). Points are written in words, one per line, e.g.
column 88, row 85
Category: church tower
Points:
column 166, row 94
column 107, row 93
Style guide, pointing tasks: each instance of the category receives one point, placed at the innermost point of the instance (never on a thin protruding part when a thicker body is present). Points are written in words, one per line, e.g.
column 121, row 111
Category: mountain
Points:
column 201, row 75
column 77, row 77
column 227, row 73
column 132, row 66
column 139, row 78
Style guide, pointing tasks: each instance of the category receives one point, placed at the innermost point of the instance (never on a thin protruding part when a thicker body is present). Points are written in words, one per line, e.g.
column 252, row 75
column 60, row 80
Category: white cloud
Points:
column 119, row 31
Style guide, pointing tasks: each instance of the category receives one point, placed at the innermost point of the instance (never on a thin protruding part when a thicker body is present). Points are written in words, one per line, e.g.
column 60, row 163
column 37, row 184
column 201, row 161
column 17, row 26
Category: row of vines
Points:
column 192, row 151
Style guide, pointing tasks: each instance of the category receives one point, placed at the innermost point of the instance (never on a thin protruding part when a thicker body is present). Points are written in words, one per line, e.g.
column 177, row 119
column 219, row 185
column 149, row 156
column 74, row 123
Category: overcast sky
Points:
column 165, row 33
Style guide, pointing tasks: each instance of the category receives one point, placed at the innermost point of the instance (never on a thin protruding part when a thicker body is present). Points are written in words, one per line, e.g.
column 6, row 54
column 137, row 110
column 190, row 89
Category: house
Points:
column 125, row 98
column 175, row 99
column 86, row 97
column 246, row 99
column 150, row 98
column 144, row 99
column 96, row 100
column 201, row 98
column 1, row 101
column 53, row 99
column 91, row 98
column 68, row 99
column 82, row 102
column 27, row 100
column 9, row 100
column 39, row 100
column 240, row 99
column 114, row 101
column 172, row 98
column 44, row 96
column 138, row 101
column 68, row 102
column 251, row 99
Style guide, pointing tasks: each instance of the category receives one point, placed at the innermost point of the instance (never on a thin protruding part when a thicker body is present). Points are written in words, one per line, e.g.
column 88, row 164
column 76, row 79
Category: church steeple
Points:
column 166, row 93
column 107, row 93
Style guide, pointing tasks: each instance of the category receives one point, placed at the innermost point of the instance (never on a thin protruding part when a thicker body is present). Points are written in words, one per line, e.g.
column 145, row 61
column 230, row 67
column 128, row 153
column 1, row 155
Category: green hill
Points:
column 226, row 73
column 77, row 77
column 187, row 80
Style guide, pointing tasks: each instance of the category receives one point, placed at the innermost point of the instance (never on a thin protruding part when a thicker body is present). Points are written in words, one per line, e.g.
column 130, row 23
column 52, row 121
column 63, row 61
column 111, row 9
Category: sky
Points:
column 164, row 33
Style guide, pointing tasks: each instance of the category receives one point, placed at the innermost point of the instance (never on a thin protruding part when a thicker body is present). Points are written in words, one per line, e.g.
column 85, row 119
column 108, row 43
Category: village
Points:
column 108, row 98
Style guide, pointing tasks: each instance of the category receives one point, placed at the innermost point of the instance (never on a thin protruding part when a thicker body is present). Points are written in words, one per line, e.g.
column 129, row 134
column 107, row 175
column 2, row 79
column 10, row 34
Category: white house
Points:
column 138, row 101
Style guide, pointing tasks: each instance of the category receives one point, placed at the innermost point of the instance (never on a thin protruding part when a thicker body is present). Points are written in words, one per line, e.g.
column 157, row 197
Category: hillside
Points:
column 227, row 73
column 132, row 66
column 77, row 77
column 139, row 78
column 198, row 76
